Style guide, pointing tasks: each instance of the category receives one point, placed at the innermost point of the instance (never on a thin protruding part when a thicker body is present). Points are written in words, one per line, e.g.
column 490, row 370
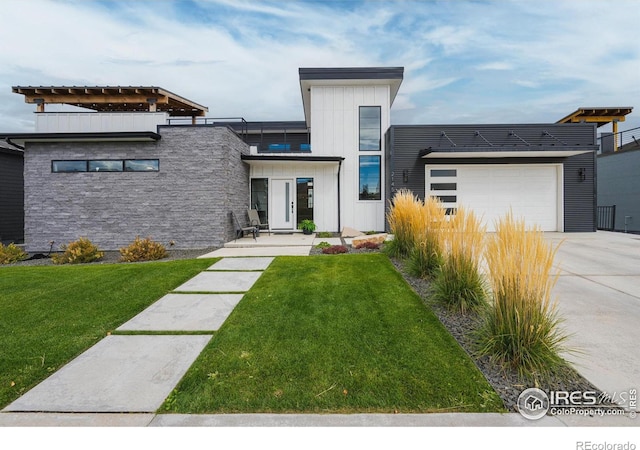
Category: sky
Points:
column 488, row 61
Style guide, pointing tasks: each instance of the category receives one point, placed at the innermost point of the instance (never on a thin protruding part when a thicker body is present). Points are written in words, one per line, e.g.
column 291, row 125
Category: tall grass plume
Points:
column 458, row 283
column 426, row 255
column 522, row 327
column 404, row 217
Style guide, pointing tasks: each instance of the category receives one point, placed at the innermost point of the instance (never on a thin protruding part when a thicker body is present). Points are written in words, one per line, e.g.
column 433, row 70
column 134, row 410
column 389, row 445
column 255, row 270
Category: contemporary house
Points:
column 147, row 162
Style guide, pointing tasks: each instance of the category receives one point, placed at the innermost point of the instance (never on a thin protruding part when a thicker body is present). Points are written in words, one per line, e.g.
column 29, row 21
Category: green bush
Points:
column 323, row 244
column 143, row 250
column 76, row 252
column 324, row 234
column 11, row 253
column 521, row 329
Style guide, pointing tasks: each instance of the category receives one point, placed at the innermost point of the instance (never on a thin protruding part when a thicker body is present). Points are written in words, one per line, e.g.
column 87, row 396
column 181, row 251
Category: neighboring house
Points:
column 148, row 163
column 11, row 194
column 619, row 184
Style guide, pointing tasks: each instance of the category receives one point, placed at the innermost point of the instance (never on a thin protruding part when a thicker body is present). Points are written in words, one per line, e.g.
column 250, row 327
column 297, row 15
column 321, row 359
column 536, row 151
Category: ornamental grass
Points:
column 458, row 283
column 521, row 329
column 426, row 256
column 404, row 218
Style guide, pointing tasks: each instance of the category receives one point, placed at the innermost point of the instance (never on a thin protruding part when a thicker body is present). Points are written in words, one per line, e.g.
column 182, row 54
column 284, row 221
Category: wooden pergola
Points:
column 601, row 116
column 112, row 99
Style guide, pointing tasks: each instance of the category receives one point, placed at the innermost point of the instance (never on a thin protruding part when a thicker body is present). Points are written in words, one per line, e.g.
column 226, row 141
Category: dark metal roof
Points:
column 351, row 73
column 277, row 158
column 123, row 136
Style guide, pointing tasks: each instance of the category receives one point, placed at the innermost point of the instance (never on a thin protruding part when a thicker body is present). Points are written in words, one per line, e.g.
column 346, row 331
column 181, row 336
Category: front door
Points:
column 282, row 204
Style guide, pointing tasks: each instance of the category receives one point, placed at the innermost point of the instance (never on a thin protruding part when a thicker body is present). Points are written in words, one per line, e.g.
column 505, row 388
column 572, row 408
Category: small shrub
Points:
column 370, row 232
column 323, row 244
column 458, row 283
column 521, row 327
column 143, row 250
column 368, row 245
column 405, row 219
column 76, row 252
column 324, row 234
column 335, row 249
column 11, row 253
column 426, row 256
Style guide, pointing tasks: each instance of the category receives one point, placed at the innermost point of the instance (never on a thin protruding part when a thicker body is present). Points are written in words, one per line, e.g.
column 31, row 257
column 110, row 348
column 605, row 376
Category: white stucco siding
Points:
column 335, row 132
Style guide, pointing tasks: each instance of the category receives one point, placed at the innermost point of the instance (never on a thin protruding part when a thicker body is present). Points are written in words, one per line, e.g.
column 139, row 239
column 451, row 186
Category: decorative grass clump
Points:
column 143, row 250
column 77, row 252
column 323, row 244
column 521, row 329
column 458, row 283
column 426, row 256
column 405, row 218
column 11, row 253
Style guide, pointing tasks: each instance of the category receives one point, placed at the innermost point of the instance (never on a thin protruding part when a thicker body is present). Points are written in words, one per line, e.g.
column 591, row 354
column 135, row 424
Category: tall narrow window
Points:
column 370, row 188
column 369, row 128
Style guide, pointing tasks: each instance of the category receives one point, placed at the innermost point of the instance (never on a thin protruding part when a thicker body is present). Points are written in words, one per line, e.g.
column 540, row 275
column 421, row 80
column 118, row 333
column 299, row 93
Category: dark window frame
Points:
column 369, row 197
column 378, row 128
column 157, row 163
column 89, row 161
column 54, row 169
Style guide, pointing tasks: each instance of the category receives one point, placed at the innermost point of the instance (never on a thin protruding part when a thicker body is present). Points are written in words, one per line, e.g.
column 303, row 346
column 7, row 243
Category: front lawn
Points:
column 49, row 315
column 332, row 334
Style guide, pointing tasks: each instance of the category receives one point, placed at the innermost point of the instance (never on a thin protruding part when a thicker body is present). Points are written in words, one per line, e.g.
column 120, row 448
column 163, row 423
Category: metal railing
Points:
column 606, row 220
column 238, row 124
column 626, row 138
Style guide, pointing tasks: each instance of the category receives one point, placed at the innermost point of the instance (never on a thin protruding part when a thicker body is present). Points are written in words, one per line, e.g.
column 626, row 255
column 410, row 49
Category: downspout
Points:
column 339, row 209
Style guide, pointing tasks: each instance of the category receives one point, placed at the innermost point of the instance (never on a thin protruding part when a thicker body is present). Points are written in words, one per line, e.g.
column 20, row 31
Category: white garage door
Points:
column 531, row 191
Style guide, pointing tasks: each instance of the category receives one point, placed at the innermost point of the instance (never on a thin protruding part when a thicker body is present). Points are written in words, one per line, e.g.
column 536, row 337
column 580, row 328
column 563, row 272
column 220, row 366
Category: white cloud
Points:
column 464, row 60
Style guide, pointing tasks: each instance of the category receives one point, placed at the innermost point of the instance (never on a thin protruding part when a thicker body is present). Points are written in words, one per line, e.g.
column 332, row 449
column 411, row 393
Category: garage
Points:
column 531, row 191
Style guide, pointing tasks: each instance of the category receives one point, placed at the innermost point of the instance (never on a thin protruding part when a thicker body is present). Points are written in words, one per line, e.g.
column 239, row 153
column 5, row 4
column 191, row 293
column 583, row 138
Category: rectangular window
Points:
column 68, row 166
column 447, row 198
column 105, row 165
column 369, row 128
column 141, row 165
column 443, row 186
column 443, row 172
column 370, row 188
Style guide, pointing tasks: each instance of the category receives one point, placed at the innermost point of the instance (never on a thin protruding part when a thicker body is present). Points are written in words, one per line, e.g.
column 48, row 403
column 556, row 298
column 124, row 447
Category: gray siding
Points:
column 201, row 179
column 407, row 143
column 619, row 184
column 579, row 196
column 11, row 197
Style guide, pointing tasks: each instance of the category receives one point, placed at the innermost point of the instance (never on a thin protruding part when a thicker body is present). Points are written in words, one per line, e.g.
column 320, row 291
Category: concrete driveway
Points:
column 598, row 294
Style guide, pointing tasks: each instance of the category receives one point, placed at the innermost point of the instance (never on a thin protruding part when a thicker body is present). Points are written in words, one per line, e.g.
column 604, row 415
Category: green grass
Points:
column 332, row 334
column 50, row 314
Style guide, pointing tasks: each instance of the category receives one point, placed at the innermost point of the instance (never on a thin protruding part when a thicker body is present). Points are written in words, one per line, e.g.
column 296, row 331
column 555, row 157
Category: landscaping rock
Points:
column 375, row 238
column 351, row 232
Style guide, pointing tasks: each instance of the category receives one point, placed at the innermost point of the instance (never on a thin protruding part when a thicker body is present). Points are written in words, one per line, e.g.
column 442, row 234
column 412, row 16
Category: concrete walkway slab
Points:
column 259, row 251
column 258, row 263
column 75, row 419
column 220, row 282
column 118, row 374
column 184, row 312
column 332, row 241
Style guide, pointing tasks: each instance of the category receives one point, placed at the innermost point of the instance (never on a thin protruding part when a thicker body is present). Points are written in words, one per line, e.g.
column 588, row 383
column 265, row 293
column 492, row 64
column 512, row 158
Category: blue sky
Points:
column 490, row 61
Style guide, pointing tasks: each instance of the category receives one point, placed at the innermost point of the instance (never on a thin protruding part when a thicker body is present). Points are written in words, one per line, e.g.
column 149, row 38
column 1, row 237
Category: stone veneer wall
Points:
column 201, row 179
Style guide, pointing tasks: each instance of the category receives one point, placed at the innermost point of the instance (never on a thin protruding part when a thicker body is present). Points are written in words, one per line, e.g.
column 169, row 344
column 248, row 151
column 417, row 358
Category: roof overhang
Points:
column 347, row 76
column 601, row 115
column 125, row 136
column 112, row 98
column 273, row 159
column 433, row 154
